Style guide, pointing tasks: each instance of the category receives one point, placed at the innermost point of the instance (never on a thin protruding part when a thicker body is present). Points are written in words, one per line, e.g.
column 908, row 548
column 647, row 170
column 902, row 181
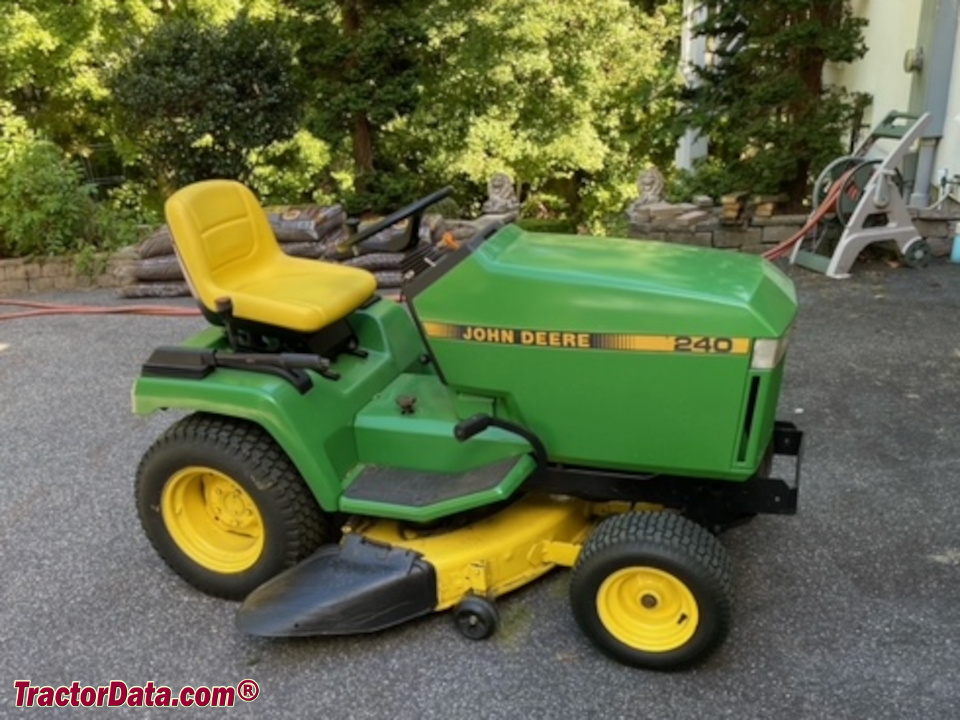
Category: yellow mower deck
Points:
column 385, row 572
column 497, row 554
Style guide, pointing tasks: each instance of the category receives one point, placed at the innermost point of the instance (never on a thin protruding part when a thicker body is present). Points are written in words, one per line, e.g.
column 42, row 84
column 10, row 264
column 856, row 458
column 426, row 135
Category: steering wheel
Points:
column 414, row 210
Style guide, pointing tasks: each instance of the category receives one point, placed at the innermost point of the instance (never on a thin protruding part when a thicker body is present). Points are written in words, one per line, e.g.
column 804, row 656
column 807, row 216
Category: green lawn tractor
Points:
column 537, row 400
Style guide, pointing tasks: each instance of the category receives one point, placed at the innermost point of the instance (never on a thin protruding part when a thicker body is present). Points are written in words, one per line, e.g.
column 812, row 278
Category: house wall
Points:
column 891, row 32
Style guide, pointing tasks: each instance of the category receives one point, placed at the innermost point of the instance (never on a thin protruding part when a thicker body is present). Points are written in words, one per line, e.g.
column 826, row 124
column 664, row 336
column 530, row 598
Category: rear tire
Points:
column 652, row 590
column 225, row 507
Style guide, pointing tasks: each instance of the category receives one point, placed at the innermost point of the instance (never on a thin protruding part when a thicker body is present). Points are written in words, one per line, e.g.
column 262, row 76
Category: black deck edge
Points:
column 358, row 586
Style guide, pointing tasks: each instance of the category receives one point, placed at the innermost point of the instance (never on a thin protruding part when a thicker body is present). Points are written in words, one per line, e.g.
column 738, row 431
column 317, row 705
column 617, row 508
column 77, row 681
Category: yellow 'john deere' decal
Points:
column 702, row 344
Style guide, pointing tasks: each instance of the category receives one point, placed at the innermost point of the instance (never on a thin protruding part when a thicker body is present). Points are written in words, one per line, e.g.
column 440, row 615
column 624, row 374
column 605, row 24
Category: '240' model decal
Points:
column 576, row 340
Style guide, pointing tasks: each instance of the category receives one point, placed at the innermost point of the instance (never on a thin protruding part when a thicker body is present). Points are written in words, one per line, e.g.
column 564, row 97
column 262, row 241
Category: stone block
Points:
column 668, row 211
column 754, row 249
column 934, row 228
column 638, row 230
column 734, row 238
column 40, row 284
column 692, row 217
column 55, row 268
column 15, row 270
column 13, row 287
column 940, row 247
column 773, row 234
column 792, row 220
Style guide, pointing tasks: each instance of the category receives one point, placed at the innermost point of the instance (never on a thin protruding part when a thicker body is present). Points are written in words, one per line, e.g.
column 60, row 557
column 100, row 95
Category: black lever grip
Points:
column 466, row 429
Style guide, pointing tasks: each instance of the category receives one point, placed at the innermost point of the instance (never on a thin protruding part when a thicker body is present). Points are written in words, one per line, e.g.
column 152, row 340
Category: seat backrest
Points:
column 221, row 235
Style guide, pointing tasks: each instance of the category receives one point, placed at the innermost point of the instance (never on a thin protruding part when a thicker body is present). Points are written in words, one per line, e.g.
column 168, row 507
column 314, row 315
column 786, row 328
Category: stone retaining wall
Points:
column 756, row 235
column 759, row 234
column 20, row 277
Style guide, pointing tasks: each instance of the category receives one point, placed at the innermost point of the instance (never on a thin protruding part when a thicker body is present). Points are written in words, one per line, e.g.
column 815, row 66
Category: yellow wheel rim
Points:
column 212, row 520
column 648, row 609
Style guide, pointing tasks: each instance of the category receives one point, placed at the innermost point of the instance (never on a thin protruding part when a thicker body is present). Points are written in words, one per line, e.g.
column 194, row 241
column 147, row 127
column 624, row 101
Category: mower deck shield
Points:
column 357, row 586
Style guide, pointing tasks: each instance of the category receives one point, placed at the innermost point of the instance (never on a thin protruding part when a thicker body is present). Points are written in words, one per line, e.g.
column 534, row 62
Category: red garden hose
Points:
column 36, row 309
column 829, row 205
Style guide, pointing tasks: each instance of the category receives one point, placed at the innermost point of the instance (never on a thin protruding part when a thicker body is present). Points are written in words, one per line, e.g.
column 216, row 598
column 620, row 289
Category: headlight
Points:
column 767, row 353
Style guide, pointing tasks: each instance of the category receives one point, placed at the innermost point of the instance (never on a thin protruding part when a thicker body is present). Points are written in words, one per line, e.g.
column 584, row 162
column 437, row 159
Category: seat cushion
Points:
column 298, row 294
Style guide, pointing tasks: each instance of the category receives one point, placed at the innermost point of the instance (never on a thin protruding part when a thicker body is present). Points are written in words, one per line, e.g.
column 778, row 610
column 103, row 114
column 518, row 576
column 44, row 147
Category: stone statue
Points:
column 502, row 197
column 651, row 185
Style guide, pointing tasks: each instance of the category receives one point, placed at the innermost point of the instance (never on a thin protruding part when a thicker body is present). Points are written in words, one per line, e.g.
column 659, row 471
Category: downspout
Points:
column 930, row 89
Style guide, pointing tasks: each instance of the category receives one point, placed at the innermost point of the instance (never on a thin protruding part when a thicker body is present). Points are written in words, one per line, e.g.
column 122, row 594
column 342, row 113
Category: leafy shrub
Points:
column 46, row 207
column 710, row 176
column 290, row 171
column 548, row 225
column 195, row 99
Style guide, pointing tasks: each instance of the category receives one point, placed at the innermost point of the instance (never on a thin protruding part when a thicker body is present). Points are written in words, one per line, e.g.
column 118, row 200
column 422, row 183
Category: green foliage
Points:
column 545, row 225
column 53, row 55
column 569, row 98
column 363, row 62
column 763, row 104
column 197, row 99
column 46, row 208
column 710, row 176
column 292, row 170
column 367, row 102
column 44, row 205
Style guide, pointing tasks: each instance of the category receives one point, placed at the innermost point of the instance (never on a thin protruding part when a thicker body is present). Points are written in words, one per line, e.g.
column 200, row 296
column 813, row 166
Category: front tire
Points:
column 225, row 507
column 652, row 590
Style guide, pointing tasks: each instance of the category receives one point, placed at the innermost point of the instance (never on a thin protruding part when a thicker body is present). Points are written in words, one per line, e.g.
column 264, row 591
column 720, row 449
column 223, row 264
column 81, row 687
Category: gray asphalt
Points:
column 848, row 610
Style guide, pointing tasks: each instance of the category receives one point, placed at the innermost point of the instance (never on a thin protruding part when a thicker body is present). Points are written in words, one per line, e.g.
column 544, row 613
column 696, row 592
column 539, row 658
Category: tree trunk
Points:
column 362, row 129
column 362, row 144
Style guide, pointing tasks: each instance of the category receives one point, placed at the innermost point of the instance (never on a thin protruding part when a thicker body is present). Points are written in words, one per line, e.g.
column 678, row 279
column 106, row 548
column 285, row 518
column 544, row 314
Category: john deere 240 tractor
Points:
column 538, row 400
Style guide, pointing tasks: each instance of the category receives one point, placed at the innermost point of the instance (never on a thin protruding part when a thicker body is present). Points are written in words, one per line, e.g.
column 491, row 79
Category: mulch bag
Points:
column 158, row 244
column 389, row 279
column 164, row 268
column 313, row 249
column 377, row 261
column 299, row 223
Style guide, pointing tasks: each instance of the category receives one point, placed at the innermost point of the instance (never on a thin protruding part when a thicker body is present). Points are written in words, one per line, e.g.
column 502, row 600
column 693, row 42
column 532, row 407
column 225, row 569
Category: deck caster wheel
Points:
column 917, row 254
column 653, row 590
column 476, row 618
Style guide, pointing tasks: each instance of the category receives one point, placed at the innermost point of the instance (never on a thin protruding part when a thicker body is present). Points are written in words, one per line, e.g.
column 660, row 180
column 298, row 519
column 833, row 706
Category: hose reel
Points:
column 867, row 207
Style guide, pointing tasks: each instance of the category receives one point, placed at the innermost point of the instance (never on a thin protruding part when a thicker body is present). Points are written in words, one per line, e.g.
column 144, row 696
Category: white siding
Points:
column 892, row 31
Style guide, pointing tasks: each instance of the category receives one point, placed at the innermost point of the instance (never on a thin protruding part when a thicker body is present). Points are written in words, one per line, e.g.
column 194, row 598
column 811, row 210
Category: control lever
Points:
column 466, row 429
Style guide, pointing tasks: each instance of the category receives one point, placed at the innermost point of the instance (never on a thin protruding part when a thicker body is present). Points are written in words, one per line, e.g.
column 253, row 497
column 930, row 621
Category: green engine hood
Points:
column 608, row 285
column 616, row 353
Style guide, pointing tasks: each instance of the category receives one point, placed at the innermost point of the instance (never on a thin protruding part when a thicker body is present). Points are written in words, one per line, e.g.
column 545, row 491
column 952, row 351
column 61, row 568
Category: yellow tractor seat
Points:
column 228, row 251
